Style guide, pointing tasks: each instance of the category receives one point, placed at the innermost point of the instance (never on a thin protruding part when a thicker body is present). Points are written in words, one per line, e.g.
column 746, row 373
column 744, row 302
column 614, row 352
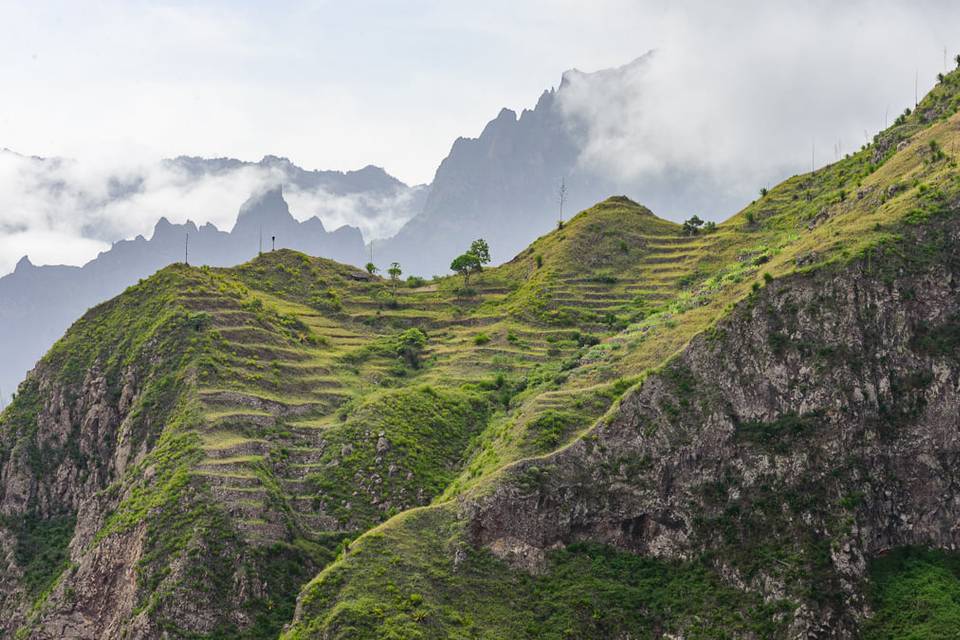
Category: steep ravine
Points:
column 815, row 428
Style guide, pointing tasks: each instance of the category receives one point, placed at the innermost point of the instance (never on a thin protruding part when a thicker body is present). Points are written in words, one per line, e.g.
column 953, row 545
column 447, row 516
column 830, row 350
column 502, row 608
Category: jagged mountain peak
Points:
column 638, row 63
column 24, row 264
column 266, row 210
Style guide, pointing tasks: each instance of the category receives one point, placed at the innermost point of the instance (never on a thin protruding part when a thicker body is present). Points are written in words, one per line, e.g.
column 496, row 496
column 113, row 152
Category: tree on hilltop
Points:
column 692, row 226
column 394, row 272
column 472, row 260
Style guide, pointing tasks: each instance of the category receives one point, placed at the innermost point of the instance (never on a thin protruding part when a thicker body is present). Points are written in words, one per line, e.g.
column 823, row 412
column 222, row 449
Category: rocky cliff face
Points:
column 815, row 428
column 79, row 423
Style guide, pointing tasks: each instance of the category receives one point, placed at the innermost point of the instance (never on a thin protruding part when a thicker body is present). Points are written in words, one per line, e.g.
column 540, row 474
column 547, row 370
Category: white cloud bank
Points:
column 739, row 95
column 66, row 211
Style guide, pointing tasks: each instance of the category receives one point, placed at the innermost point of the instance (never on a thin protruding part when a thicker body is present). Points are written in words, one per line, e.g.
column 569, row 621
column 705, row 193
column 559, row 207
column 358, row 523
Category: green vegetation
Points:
column 915, row 594
column 673, row 283
column 472, row 261
column 779, row 434
column 41, row 548
column 277, row 410
column 393, row 451
column 692, row 226
column 588, row 591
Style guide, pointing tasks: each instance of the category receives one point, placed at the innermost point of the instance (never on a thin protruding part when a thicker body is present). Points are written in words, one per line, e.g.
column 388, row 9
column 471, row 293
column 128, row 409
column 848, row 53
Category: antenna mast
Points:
column 563, row 195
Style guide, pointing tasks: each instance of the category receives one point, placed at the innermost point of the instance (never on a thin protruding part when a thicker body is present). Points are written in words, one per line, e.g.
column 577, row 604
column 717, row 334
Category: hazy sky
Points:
column 338, row 85
column 335, row 84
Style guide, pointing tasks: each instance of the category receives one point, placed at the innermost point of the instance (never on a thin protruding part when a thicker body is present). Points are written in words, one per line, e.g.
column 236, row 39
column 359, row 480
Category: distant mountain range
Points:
column 369, row 180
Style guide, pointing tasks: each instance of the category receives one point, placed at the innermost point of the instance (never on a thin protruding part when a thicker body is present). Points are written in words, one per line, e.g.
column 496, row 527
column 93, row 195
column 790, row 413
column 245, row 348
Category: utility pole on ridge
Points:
column 563, row 195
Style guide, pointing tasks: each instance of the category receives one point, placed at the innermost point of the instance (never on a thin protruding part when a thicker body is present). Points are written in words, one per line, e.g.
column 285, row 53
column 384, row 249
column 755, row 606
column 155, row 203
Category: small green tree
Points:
column 465, row 264
column 394, row 272
column 763, row 192
column 692, row 226
column 957, row 60
column 472, row 261
column 481, row 249
column 409, row 346
column 941, row 77
column 371, row 268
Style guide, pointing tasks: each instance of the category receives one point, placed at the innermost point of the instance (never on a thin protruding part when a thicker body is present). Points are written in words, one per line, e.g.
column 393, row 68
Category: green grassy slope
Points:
column 291, row 404
column 684, row 284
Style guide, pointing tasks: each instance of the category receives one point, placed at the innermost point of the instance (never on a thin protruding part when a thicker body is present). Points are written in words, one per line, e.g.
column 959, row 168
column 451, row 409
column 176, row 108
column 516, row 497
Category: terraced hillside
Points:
column 527, row 545
column 586, row 441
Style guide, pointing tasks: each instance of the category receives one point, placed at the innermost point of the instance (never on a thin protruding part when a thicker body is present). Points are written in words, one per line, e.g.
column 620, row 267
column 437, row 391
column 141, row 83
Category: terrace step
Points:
column 236, row 447
column 268, row 353
column 230, row 481
column 228, row 466
column 241, row 419
column 229, row 398
column 252, row 334
column 669, row 259
column 262, row 532
column 591, row 304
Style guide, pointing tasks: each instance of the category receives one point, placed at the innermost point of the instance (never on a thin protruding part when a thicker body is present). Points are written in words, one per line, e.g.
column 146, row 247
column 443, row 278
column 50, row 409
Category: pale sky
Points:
column 328, row 84
column 345, row 84
column 339, row 85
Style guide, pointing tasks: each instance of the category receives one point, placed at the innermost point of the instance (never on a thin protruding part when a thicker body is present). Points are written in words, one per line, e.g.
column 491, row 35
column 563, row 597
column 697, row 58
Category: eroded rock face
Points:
column 70, row 455
column 98, row 597
column 817, row 426
column 57, row 472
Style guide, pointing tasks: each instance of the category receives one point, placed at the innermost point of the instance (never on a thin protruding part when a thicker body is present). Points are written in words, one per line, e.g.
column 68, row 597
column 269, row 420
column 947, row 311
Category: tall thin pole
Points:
column 273, row 243
column 916, row 89
column 371, row 252
column 563, row 195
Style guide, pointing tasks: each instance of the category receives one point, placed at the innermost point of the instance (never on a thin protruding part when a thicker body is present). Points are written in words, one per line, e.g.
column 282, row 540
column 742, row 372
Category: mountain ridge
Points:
column 296, row 447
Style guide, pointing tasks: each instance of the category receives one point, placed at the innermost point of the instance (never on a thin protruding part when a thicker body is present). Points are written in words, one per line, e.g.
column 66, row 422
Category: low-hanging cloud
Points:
column 62, row 211
column 740, row 97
